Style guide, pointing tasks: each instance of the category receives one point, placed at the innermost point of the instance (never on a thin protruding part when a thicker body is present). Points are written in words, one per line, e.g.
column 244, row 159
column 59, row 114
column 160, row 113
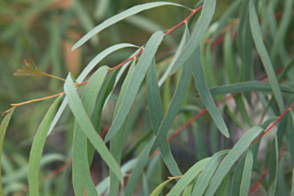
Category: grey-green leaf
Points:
column 206, row 175
column 37, row 149
column 135, row 82
column 87, row 127
column 257, row 36
column 188, row 177
column 231, row 158
column 3, row 128
column 247, row 172
column 206, row 95
column 116, row 18
column 197, row 35
column 84, row 74
column 246, row 87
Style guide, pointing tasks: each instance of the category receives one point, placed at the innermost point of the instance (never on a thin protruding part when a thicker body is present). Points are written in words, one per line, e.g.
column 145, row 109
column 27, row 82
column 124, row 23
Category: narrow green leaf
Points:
column 142, row 162
column 242, row 109
column 233, row 116
column 247, row 86
column 237, row 178
column 104, row 92
column 87, row 127
column 206, row 95
column 291, row 138
column 37, row 148
column 174, row 106
column 118, row 17
column 135, row 82
column 84, row 74
column 229, row 61
column 159, row 188
column 197, row 35
column 188, row 177
column 282, row 185
column 189, row 188
column 257, row 36
column 156, row 116
column 206, row 175
column 247, row 172
column 231, row 158
column 277, row 164
column 3, row 128
column 28, row 72
column 80, row 170
column 280, row 34
column 116, row 143
column 223, row 188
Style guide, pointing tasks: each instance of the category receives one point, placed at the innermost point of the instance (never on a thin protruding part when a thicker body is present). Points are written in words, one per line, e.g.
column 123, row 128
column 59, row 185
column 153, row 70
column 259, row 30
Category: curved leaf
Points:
column 84, row 74
column 188, row 177
column 247, row 86
column 197, row 35
column 3, row 128
column 257, row 36
column 118, row 17
column 206, row 175
column 205, row 94
column 84, row 122
column 247, row 172
column 159, row 188
column 231, row 158
column 135, row 82
column 37, row 148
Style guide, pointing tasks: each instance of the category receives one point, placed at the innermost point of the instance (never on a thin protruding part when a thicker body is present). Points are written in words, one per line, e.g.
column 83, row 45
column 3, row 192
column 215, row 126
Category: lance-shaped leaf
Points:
column 257, row 36
column 84, row 122
column 206, row 175
column 247, row 172
column 3, row 128
column 37, row 148
column 159, row 188
column 247, row 86
column 231, row 158
column 118, row 17
column 174, row 106
column 80, row 172
column 84, row 74
column 188, row 177
column 206, row 95
column 28, row 72
column 156, row 117
column 197, row 35
column 116, row 143
column 135, row 82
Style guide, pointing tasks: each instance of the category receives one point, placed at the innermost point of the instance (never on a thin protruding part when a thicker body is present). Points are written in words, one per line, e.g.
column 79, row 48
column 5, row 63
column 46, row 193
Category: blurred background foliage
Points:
column 46, row 30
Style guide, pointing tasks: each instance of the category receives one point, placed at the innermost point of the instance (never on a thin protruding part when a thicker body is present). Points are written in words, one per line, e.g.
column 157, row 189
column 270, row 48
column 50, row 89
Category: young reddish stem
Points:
column 276, row 121
column 185, row 20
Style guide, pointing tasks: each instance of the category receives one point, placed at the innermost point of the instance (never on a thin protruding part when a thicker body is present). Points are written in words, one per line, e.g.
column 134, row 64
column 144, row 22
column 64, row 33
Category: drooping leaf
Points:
column 229, row 61
column 197, row 35
column 257, row 36
column 3, row 128
column 87, row 127
column 174, row 106
column 135, row 82
column 206, row 175
column 231, row 158
column 37, row 149
column 206, row 95
column 156, row 116
column 80, row 170
column 188, row 177
column 159, row 188
column 116, row 143
column 84, row 74
column 247, row 172
column 116, row 18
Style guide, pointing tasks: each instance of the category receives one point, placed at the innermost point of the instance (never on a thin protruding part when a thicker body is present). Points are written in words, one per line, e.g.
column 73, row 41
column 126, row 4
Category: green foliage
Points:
column 144, row 127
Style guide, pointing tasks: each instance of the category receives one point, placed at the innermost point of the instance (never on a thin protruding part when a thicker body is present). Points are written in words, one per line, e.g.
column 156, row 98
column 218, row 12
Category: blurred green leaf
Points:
column 159, row 188
column 247, row 171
